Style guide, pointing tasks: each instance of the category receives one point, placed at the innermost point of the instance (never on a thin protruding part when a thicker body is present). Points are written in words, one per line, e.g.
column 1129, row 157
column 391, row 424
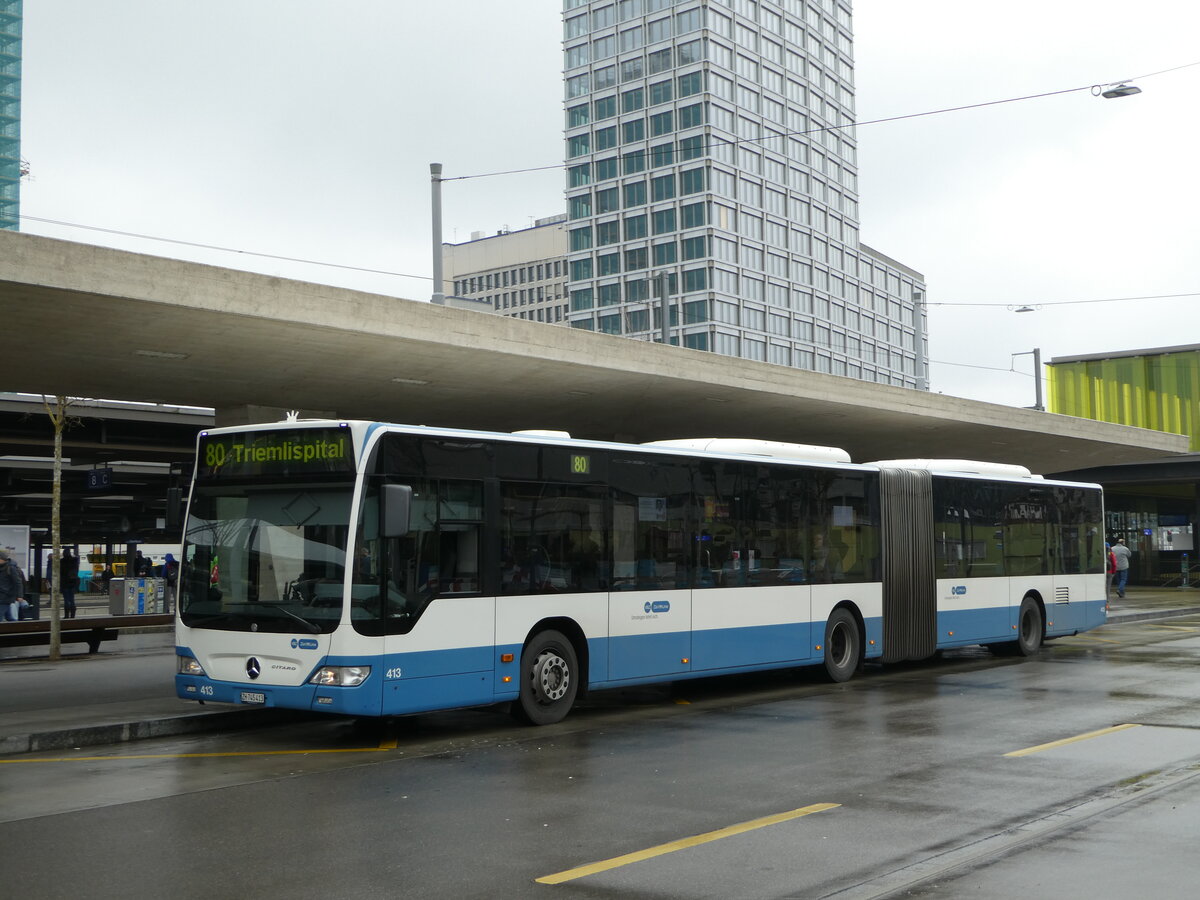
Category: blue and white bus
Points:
column 374, row 570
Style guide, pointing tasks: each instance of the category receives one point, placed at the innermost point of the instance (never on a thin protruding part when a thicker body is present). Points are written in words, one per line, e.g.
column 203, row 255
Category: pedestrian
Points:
column 1110, row 569
column 1121, row 554
column 11, row 590
column 68, row 577
column 171, row 574
column 141, row 566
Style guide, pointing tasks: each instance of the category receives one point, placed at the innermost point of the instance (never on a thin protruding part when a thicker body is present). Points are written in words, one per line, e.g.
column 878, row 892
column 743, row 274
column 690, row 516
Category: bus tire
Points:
column 549, row 680
column 843, row 645
column 1029, row 628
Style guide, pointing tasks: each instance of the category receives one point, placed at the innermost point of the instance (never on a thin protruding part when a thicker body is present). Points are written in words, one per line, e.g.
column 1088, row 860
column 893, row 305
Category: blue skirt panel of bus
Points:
column 960, row 628
column 410, row 695
column 649, row 655
column 1093, row 614
column 437, row 679
column 723, row 648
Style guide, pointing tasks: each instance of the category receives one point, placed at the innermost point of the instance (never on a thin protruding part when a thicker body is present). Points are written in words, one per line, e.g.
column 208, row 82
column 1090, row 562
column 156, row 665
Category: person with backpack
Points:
column 1122, row 554
column 12, row 589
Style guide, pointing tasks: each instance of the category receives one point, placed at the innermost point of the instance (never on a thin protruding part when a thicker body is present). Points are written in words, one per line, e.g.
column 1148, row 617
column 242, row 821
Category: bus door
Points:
column 426, row 598
column 1031, row 557
column 650, row 604
column 752, row 600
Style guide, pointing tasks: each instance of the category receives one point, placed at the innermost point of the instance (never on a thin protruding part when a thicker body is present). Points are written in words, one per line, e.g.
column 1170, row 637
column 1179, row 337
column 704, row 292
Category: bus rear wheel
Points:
column 1029, row 628
column 549, row 680
column 843, row 646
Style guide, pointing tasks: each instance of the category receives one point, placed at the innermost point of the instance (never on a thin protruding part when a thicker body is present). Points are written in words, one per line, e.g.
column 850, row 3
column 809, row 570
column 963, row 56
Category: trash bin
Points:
column 135, row 596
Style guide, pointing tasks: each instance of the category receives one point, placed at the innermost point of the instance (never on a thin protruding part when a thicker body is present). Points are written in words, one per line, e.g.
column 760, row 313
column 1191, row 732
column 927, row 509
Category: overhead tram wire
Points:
column 1038, row 304
column 818, row 130
column 824, row 128
column 166, row 240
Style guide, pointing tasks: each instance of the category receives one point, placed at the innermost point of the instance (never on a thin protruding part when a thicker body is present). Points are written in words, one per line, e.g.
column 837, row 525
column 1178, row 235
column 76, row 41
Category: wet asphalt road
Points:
column 896, row 784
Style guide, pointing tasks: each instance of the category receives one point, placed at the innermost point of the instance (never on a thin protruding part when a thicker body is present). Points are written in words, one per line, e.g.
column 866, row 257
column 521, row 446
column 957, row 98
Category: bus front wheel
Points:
column 549, row 680
column 843, row 645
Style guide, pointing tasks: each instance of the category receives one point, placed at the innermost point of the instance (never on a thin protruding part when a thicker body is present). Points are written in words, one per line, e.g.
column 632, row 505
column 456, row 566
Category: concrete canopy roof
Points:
column 187, row 334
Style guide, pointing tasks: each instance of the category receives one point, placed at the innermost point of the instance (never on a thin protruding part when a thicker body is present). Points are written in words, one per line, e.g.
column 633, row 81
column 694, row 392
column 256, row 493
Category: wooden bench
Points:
column 90, row 630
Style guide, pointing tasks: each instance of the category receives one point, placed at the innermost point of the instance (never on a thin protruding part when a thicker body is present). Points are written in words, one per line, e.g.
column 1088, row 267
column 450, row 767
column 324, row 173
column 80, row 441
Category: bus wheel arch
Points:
column 552, row 672
column 844, row 642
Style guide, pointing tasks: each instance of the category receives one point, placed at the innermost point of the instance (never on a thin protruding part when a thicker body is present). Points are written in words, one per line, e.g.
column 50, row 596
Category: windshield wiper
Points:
column 308, row 626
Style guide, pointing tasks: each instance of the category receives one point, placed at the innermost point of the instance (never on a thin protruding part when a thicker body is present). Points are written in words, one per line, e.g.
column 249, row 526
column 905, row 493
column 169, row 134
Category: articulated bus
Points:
column 376, row 570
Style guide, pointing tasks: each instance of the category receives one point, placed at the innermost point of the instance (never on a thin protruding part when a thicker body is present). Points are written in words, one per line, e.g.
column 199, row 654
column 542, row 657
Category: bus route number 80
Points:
column 214, row 454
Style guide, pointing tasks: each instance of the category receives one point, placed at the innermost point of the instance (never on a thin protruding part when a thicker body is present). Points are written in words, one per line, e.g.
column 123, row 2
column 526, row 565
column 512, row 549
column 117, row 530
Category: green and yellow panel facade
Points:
column 1156, row 389
column 1154, row 506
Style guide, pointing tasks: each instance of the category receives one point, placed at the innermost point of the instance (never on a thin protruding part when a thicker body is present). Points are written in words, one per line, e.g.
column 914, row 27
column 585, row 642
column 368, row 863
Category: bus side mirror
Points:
column 397, row 510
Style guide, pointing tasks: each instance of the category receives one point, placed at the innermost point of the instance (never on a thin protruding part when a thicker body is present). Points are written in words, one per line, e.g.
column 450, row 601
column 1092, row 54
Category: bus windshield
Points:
column 265, row 557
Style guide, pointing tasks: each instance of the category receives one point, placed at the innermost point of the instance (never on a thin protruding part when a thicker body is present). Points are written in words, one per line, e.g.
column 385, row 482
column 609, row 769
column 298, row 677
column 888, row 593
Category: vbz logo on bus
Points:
column 958, row 590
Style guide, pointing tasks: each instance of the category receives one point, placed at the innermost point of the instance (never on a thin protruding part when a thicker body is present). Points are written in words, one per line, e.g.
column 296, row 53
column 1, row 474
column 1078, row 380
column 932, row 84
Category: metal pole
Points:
column 435, row 178
column 663, row 306
column 1037, row 378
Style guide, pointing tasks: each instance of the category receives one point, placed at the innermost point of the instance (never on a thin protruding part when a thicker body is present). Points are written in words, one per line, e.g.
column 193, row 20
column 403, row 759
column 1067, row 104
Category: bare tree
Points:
column 58, row 418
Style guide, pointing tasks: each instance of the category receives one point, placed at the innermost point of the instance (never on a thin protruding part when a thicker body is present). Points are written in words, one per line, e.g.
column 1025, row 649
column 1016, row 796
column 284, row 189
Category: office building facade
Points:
column 520, row 274
column 10, row 113
column 707, row 142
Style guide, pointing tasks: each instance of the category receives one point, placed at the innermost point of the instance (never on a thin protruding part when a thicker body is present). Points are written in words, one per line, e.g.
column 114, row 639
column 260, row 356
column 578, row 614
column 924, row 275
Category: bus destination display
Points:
column 275, row 453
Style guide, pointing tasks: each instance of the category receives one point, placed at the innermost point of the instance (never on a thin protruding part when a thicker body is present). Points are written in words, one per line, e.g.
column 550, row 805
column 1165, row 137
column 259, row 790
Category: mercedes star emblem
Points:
column 253, row 667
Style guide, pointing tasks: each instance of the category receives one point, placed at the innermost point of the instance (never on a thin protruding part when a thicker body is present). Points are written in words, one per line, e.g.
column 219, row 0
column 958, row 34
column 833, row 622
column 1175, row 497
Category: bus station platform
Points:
column 126, row 692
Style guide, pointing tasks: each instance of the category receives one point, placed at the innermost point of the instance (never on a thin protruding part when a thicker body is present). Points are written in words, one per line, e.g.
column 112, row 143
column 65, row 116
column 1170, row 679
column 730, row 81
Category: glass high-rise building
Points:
column 707, row 141
column 10, row 113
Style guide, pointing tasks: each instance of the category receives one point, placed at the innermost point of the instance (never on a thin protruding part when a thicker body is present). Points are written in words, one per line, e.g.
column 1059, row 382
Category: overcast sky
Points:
column 305, row 129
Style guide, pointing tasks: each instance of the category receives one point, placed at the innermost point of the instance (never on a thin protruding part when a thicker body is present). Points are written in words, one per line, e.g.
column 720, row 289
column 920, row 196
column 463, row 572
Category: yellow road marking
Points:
column 1174, row 627
column 1029, row 751
column 683, row 844
column 54, row 759
column 1092, row 637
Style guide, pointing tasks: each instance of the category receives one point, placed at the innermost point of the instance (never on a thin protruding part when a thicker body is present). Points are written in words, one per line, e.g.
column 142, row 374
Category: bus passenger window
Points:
column 552, row 539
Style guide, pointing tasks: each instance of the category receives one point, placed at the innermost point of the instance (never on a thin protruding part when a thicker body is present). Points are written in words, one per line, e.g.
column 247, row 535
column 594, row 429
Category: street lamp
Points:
column 1113, row 91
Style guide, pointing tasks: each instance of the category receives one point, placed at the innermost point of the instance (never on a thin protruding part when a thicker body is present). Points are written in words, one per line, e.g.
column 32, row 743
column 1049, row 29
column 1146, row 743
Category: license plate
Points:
column 253, row 697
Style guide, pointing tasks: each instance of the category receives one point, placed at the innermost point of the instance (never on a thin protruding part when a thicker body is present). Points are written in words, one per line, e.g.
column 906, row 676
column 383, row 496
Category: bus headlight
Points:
column 187, row 665
column 340, row 676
